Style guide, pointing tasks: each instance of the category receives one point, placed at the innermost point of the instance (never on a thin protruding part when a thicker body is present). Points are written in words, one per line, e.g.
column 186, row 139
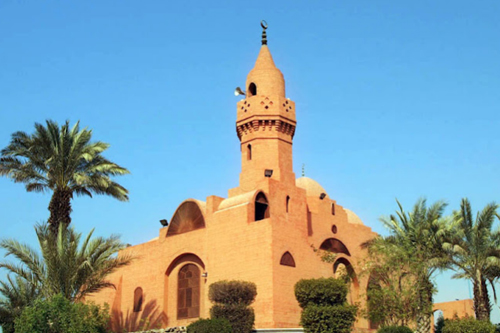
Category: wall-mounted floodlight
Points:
column 322, row 196
column 205, row 274
column 238, row 91
column 268, row 173
column 164, row 222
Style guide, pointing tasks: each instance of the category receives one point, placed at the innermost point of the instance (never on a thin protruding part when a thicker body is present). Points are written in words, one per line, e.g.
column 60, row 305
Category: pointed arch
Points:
column 287, row 259
column 187, row 217
column 138, row 298
column 335, row 246
column 261, row 207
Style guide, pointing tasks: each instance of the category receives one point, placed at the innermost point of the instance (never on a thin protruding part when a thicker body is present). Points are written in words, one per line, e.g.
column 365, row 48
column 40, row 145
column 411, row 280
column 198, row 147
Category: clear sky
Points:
column 394, row 99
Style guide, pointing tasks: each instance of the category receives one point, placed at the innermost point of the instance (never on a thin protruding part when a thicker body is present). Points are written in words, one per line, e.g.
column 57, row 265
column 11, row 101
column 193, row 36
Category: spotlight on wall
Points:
column 164, row 222
column 205, row 274
column 322, row 196
column 268, row 173
column 238, row 91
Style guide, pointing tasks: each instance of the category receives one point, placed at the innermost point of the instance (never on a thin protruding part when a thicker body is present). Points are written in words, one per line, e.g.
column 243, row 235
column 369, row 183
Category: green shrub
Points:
column 210, row 326
column 395, row 329
column 323, row 291
column 468, row 325
column 328, row 318
column 241, row 317
column 232, row 292
column 59, row 315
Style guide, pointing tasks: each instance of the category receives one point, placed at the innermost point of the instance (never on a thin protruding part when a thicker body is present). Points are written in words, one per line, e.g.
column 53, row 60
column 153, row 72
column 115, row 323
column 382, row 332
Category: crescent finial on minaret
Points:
column 263, row 24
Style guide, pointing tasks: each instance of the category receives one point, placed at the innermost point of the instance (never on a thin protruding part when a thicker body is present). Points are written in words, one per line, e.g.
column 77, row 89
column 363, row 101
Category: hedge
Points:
column 232, row 292
column 395, row 329
column 241, row 317
column 58, row 315
column 323, row 291
column 210, row 326
column 328, row 318
column 468, row 325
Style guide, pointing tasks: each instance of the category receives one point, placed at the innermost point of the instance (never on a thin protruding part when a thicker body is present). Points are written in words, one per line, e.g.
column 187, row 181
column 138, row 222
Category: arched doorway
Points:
column 188, row 292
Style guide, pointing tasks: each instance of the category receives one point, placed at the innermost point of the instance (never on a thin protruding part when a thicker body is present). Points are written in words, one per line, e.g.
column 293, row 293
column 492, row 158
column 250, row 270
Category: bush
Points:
column 468, row 325
column 210, row 326
column 59, row 315
column 232, row 292
column 323, row 291
column 328, row 319
column 241, row 317
column 395, row 329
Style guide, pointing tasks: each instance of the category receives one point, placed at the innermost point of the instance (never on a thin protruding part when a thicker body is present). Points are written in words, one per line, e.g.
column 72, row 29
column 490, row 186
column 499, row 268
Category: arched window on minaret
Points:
column 261, row 207
column 287, row 203
column 252, row 90
column 138, row 299
column 249, row 152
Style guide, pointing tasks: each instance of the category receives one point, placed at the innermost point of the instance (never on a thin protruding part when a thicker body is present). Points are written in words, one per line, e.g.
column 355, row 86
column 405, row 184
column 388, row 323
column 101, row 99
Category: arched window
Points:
column 138, row 299
column 252, row 90
column 188, row 292
column 287, row 260
column 335, row 246
column 333, row 208
column 261, row 207
column 287, row 203
column 249, row 152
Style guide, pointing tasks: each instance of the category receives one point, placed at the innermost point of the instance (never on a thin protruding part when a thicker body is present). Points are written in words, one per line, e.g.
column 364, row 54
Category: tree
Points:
column 66, row 266
column 16, row 294
column 473, row 250
column 392, row 299
column 60, row 315
column 419, row 234
column 62, row 160
column 438, row 328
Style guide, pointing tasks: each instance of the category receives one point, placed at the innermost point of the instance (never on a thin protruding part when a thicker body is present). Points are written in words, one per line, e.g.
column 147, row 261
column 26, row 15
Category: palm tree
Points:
column 419, row 234
column 65, row 266
column 16, row 294
column 63, row 160
column 474, row 252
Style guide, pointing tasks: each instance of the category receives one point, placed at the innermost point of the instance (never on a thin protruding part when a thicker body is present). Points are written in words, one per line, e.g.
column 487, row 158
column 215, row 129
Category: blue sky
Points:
column 394, row 99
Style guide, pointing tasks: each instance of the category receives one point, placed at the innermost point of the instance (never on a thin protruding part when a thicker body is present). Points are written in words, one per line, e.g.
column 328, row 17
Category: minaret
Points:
column 265, row 123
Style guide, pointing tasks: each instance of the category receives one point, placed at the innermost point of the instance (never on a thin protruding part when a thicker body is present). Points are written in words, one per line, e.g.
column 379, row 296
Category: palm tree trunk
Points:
column 423, row 323
column 482, row 307
column 425, row 307
column 60, row 209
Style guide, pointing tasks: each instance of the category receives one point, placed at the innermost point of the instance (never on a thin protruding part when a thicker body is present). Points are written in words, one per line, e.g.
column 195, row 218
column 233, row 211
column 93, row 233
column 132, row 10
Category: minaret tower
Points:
column 265, row 123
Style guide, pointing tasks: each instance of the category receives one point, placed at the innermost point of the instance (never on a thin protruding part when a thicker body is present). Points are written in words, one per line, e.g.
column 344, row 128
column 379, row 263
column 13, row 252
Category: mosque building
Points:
column 266, row 231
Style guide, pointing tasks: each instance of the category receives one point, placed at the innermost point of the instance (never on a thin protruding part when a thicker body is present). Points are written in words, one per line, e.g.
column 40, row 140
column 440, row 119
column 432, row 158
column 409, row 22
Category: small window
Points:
column 138, row 299
column 333, row 208
column 249, row 152
column 252, row 89
column 287, row 203
column 261, row 207
column 334, row 229
column 287, row 260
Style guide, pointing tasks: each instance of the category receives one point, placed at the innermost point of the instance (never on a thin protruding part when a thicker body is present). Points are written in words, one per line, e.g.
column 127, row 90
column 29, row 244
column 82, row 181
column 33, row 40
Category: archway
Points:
column 343, row 269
